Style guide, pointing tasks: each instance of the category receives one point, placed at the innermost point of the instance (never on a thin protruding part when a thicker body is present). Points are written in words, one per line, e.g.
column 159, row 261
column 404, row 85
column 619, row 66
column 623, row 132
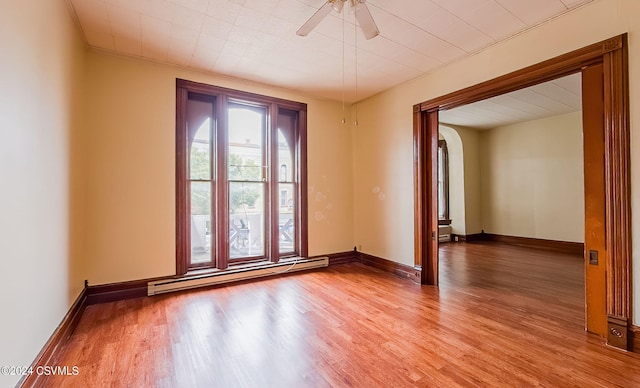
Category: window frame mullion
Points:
column 221, row 179
column 272, row 181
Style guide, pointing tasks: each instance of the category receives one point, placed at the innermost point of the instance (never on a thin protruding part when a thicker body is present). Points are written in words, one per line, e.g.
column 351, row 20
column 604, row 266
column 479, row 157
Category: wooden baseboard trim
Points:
column 113, row 292
column 471, row 237
column 401, row 270
column 634, row 338
column 572, row 248
column 48, row 354
column 618, row 332
column 342, row 257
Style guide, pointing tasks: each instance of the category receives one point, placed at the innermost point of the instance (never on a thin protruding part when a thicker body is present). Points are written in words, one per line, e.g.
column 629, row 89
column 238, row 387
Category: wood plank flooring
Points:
column 503, row 316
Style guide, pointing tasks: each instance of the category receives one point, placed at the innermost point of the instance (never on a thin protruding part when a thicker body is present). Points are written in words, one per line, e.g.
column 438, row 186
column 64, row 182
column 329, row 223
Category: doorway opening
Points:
column 516, row 204
column 604, row 68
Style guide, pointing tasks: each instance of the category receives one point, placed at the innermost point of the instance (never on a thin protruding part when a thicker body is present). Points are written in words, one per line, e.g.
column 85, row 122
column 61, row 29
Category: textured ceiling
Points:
column 563, row 95
column 256, row 39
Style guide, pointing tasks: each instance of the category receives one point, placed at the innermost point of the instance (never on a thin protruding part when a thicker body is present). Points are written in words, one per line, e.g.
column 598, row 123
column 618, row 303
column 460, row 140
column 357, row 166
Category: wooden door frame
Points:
column 612, row 53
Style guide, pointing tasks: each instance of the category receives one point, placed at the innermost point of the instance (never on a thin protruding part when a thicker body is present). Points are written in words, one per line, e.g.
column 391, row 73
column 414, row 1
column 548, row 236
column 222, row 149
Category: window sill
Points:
column 234, row 267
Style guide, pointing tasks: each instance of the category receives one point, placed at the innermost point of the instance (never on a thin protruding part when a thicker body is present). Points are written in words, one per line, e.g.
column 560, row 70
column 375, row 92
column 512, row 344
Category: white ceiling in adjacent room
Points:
column 256, row 39
column 562, row 95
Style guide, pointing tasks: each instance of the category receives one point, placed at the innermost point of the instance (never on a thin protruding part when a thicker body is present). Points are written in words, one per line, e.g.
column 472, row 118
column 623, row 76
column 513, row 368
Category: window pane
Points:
column 441, row 198
column 199, row 128
column 200, row 222
column 286, row 223
column 246, row 133
column 246, row 219
column 285, row 158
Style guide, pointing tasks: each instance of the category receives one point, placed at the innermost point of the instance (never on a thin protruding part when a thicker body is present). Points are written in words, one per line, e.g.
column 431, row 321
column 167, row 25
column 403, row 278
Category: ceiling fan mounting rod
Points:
column 339, row 4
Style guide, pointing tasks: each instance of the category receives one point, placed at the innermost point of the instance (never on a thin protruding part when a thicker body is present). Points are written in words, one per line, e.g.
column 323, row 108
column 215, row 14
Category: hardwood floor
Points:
column 503, row 316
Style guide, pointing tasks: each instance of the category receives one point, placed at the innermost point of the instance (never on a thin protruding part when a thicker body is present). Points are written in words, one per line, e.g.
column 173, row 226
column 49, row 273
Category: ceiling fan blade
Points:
column 313, row 21
column 365, row 20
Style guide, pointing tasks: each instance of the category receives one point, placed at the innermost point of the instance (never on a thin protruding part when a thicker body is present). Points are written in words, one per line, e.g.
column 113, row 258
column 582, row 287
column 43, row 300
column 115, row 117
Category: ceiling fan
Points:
column 360, row 9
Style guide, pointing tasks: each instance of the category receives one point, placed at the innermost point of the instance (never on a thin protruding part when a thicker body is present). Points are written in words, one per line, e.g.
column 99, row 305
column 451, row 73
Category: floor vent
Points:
column 231, row 275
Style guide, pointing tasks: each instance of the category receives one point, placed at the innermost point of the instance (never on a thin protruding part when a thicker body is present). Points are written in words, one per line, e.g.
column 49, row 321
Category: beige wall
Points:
column 130, row 222
column 385, row 228
column 471, row 150
column 40, row 80
column 532, row 179
column 383, row 178
column 464, row 183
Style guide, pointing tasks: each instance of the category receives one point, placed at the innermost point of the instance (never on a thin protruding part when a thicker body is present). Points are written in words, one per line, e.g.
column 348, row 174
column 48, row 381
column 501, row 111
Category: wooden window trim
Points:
column 222, row 96
column 442, row 145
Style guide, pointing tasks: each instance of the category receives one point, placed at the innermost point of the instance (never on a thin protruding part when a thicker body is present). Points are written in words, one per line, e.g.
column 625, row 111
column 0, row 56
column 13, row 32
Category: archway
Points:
column 456, row 171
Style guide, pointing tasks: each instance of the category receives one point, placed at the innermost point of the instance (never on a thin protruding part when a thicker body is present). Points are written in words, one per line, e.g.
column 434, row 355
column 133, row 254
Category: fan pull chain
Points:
column 355, row 25
column 344, row 120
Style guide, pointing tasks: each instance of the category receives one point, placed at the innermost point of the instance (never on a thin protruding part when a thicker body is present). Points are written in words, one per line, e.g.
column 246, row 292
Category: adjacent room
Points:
column 511, row 198
column 252, row 193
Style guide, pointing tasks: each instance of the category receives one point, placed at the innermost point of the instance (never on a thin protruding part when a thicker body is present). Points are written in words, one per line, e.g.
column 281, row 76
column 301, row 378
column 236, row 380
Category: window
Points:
column 443, row 183
column 240, row 178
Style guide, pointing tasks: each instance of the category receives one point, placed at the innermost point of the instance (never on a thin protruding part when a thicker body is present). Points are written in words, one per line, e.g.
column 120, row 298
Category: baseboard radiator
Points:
column 170, row 285
column 444, row 233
